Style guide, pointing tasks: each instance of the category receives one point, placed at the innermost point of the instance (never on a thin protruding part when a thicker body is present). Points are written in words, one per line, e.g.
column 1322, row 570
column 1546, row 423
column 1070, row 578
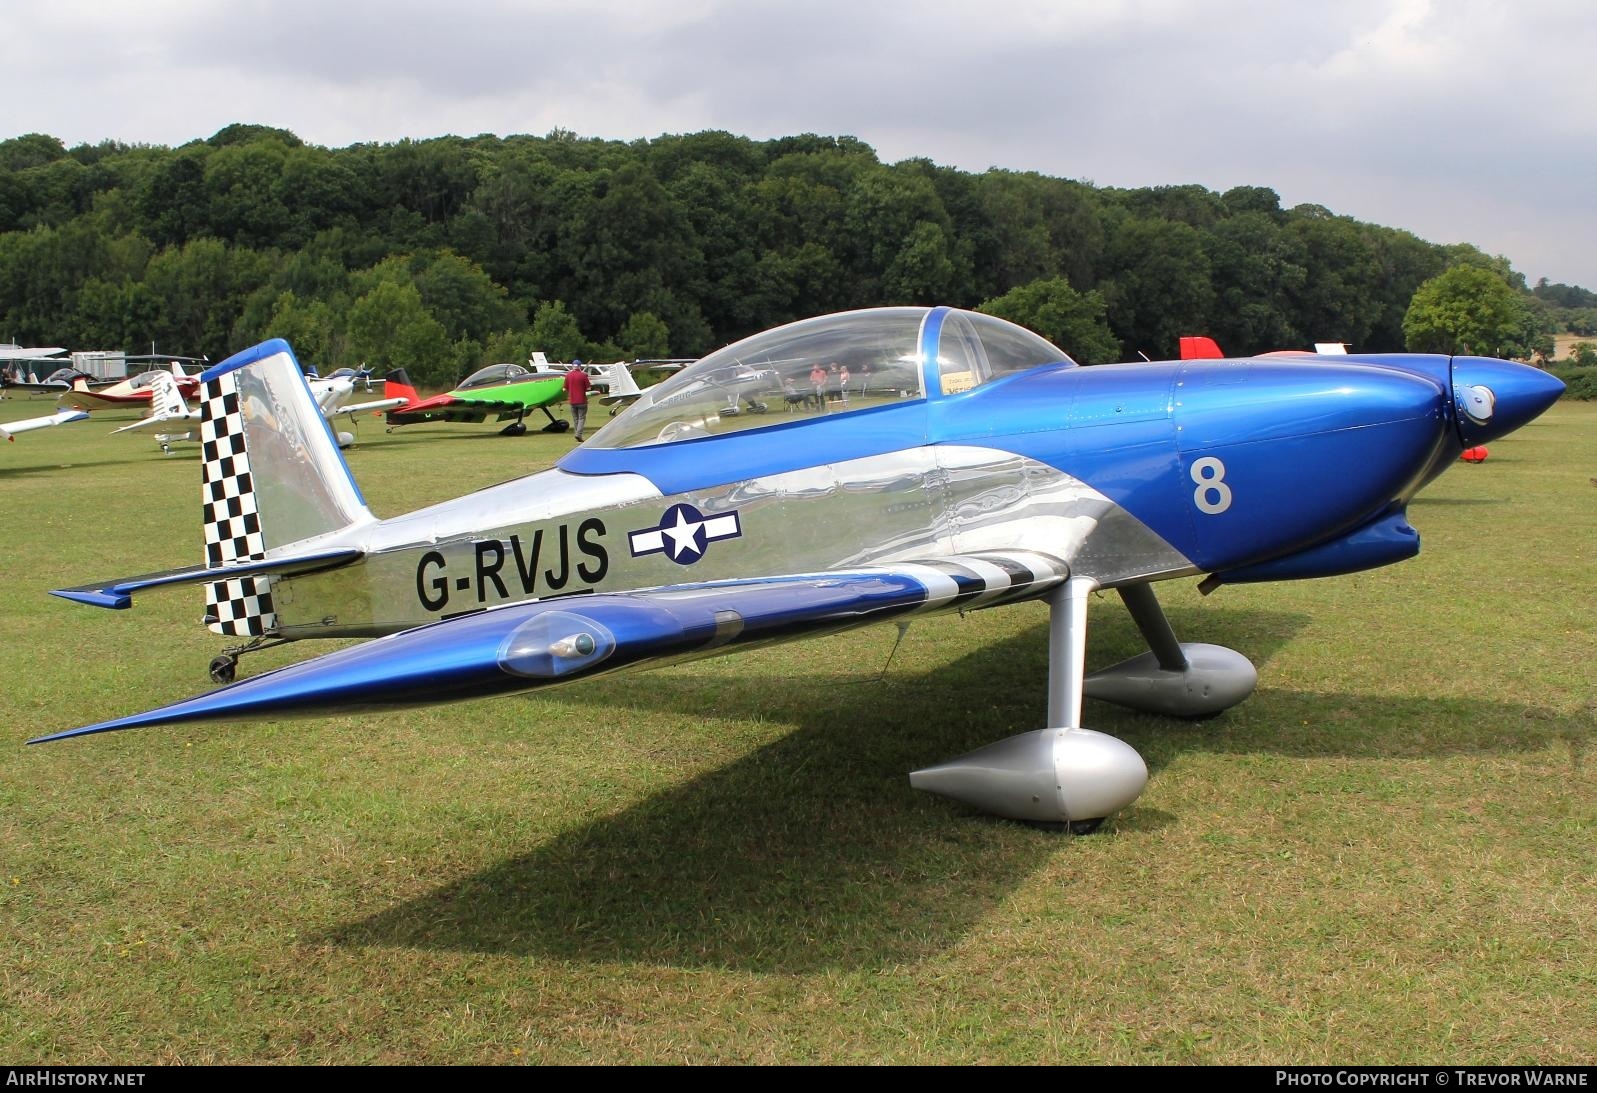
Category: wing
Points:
column 523, row 646
column 369, row 407
column 27, row 425
column 476, row 404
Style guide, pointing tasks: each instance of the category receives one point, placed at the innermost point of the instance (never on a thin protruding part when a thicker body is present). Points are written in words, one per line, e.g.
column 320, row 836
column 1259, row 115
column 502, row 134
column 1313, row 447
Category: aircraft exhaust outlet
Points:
column 1046, row 776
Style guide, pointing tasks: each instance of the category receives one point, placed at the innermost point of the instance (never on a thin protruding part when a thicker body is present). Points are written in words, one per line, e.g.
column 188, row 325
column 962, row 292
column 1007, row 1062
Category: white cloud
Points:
column 1464, row 119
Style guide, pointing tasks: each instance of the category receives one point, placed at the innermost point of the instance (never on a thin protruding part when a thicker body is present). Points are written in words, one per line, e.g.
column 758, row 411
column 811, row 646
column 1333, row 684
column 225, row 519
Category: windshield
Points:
column 832, row 364
column 796, row 367
column 494, row 373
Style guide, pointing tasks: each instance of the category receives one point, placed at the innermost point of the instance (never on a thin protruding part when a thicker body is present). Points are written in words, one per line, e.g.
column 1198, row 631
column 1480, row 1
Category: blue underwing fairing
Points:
column 989, row 470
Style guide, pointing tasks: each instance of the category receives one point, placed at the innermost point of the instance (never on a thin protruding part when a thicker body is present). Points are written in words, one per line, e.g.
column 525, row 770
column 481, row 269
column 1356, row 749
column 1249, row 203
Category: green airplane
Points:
column 504, row 391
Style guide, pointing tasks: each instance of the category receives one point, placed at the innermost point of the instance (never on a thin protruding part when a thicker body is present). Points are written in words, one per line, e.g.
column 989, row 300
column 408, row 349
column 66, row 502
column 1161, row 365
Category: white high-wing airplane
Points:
column 9, row 430
column 14, row 352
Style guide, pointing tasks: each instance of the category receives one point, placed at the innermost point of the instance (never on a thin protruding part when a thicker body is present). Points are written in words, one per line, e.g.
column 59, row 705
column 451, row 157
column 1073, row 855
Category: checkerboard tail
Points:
column 272, row 478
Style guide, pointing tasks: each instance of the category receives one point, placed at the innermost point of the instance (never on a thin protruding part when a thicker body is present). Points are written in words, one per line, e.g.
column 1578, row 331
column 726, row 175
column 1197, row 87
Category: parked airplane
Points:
column 678, row 531
column 334, row 393
column 18, row 364
column 133, row 392
column 10, row 429
column 503, row 391
column 170, row 418
column 58, row 382
column 11, row 351
column 172, row 421
column 620, row 386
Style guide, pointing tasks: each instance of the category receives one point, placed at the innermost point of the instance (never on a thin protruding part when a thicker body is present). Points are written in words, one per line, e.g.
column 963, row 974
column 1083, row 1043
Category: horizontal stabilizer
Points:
column 523, row 646
column 118, row 593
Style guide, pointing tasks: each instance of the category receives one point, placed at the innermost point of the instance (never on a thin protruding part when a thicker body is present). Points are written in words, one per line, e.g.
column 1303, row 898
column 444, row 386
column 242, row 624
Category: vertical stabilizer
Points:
column 619, row 384
column 272, row 477
column 397, row 385
column 165, row 399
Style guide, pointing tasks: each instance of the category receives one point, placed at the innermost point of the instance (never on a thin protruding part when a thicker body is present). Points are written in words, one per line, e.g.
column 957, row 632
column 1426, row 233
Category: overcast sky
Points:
column 1459, row 120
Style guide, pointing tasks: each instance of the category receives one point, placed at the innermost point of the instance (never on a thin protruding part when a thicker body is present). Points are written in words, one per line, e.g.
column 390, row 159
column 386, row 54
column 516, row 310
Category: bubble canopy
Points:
column 834, row 363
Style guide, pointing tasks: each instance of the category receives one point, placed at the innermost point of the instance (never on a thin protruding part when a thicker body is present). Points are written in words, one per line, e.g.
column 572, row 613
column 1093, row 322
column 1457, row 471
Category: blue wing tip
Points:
column 95, row 597
column 67, row 733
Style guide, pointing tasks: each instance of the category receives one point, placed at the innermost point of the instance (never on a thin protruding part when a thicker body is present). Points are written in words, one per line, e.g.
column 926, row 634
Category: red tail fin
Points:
column 1199, row 348
column 397, row 385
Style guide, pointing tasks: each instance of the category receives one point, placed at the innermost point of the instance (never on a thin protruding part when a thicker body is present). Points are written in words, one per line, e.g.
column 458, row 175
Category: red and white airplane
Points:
column 135, row 391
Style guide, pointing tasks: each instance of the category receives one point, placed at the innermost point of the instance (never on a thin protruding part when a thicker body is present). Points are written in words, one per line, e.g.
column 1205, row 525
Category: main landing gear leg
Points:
column 1174, row 678
column 1067, row 776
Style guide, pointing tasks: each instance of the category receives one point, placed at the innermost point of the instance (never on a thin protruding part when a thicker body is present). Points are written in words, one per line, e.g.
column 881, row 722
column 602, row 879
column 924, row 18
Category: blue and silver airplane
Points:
column 997, row 471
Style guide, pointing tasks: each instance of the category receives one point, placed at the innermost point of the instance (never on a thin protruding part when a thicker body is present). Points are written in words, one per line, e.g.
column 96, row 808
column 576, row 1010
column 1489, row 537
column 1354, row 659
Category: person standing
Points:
column 818, row 381
column 577, row 384
column 842, row 382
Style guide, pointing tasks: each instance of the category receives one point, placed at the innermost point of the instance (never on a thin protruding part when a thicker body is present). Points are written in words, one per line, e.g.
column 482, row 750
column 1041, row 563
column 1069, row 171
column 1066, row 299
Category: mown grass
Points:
column 1386, row 855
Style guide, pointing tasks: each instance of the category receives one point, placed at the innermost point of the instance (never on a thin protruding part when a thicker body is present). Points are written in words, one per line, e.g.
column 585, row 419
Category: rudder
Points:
column 272, row 477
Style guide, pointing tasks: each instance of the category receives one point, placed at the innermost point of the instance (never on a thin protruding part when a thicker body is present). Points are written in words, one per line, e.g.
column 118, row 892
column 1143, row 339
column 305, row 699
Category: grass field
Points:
column 1389, row 854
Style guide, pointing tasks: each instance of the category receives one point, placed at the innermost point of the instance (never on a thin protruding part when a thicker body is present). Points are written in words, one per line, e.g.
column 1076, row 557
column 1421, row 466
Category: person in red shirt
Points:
column 577, row 384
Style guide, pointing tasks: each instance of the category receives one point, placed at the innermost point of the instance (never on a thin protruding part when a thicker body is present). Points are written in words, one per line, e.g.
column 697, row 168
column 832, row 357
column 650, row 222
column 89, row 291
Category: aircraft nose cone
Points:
column 1494, row 397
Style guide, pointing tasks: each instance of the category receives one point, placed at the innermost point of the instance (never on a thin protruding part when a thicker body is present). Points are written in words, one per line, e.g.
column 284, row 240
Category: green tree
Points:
column 390, row 327
column 644, row 336
column 1257, row 267
column 30, row 150
column 242, row 182
column 1339, row 299
column 509, row 347
column 1468, row 309
column 199, row 289
column 1156, row 284
column 308, row 326
column 1583, row 354
column 555, row 331
column 1072, row 320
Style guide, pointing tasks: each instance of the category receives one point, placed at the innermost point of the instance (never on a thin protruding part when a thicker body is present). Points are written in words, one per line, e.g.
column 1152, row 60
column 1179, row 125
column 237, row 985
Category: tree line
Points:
column 441, row 255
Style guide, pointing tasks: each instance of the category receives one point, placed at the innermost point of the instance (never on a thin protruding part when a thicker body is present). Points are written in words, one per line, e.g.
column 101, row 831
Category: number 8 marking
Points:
column 1212, row 496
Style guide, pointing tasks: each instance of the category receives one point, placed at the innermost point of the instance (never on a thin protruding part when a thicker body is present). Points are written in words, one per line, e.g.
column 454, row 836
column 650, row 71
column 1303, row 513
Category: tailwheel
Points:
column 224, row 666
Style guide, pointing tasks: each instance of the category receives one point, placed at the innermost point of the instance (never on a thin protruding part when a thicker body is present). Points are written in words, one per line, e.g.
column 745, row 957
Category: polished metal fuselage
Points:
column 558, row 534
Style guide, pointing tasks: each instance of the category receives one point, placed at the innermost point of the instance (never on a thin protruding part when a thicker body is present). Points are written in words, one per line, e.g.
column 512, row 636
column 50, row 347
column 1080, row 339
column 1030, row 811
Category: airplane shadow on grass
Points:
column 59, row 466
column 812, row 852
